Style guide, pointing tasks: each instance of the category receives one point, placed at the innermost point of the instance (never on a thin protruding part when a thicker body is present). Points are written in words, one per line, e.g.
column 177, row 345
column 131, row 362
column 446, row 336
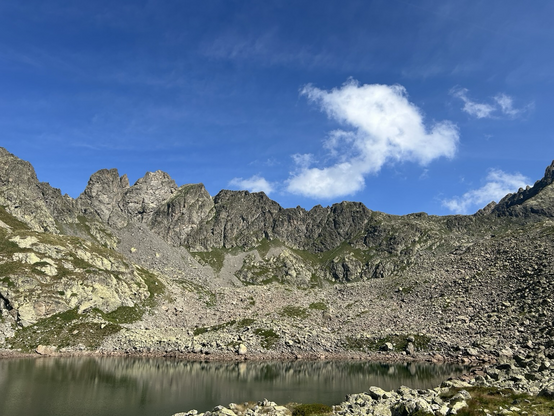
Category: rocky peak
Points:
column 147, row 194
column 110, row 197
column 21, row 193
column 535, row 200
column 104, row 191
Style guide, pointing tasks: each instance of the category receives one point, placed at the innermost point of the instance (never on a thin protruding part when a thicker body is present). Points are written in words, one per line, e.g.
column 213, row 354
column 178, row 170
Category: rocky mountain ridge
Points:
column 159, row 267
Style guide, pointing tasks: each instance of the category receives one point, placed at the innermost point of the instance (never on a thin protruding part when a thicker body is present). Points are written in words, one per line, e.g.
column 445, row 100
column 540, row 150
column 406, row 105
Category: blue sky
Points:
column 406, row 106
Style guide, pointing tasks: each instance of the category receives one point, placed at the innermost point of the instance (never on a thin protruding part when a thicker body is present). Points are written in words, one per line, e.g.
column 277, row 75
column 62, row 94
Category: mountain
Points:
column 170, row 269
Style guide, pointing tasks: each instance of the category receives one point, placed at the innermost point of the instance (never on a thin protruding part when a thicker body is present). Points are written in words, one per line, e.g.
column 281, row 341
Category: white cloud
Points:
column 383, row 127
column 303, row 160
column 253, row 184
column 498, row 185
column 473, row 108
column 503, row 104
column 506, row 104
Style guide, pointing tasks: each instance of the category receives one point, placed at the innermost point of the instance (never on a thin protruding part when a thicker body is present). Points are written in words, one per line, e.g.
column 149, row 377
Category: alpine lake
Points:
column 59, row 386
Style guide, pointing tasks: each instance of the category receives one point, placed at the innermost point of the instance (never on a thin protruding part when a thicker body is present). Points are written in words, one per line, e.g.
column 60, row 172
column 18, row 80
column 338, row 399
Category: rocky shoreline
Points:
column 225, row 356
column 516, row 380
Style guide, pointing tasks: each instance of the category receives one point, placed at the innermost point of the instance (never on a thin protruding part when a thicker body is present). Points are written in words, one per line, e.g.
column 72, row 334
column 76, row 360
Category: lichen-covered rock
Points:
column 285, row 267
column 55, row 274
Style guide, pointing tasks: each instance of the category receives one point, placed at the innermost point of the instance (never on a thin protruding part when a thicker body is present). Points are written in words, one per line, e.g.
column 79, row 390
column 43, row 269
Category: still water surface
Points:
column 160, row 387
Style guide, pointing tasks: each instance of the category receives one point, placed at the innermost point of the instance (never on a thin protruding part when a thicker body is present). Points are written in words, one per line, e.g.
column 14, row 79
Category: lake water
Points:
column 160, row 387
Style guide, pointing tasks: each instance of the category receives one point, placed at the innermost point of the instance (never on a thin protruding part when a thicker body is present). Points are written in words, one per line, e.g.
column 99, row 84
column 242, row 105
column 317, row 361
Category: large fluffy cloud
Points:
column 253, row 184
column 498, row 185
column 382, row 127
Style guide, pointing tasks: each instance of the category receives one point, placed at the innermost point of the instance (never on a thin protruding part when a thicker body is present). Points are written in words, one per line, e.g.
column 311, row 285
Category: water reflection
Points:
column 139, row 386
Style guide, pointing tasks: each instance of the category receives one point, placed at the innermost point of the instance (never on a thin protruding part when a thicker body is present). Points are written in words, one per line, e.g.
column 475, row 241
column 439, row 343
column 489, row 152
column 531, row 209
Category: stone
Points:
column 24, row 242
column 422, row 406
column 381, row 409
column 457, row 384
column 443, row 410
column 242, row 350
column 506, row 352
column 456, row 407
column 387, row 347
column 376, row 392
column 547, row 391
column 46, row 349
column 545, row 365
column 473, row 352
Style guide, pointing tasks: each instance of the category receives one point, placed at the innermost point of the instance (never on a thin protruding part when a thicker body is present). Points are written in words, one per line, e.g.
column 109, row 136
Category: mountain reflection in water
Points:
column 156, row 386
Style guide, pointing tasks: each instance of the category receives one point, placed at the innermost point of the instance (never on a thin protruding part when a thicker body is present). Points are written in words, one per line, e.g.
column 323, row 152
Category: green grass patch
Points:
column 399, row 342
column 80, row 263
column 318, row 306
column 124, row 314
column 316, row 281
column 155, row 285
column 63, row 330
column 41, row 264
column 495, row 400
column 10, row 220
column 266, row 245
column 83, row 224
column 268, row 337
column 215, row 257
column 15, row 268
column 213, row 328
column 294, row 312
column 209, row 297
column 243, row 323
column 6, row 280
column 7, row 247
column 311, row 409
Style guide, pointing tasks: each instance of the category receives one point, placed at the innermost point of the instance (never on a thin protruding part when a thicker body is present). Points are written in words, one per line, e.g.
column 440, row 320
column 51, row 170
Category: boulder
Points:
column 242, row 350
column 46, row 349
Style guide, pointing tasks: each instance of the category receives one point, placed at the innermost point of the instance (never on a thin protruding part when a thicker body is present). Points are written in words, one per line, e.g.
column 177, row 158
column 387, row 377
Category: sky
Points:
column 408, row 106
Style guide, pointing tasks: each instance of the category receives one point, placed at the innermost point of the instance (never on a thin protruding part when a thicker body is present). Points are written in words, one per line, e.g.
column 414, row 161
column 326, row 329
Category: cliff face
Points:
column 28, row 200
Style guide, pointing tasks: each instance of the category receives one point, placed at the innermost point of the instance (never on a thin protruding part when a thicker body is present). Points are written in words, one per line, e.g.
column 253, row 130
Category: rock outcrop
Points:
column 537, row 200
column 24, row 197
column 103, row 195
